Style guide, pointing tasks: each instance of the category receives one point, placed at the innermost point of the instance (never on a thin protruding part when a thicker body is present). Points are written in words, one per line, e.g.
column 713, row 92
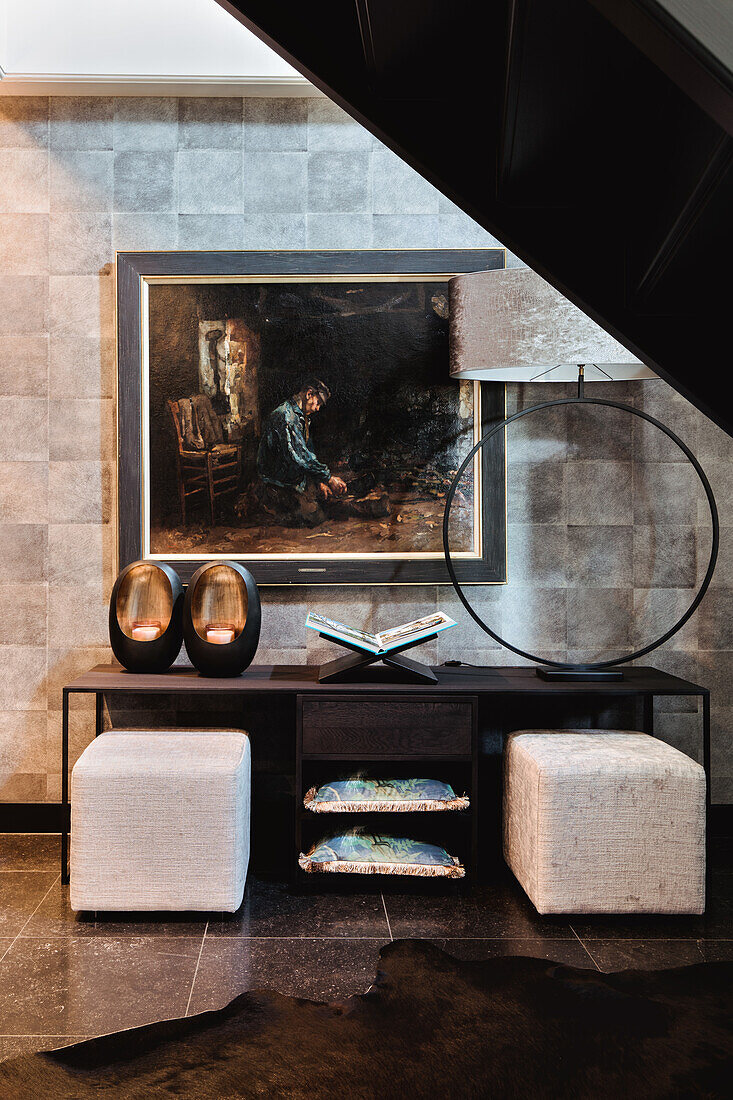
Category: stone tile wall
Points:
column 607, row 530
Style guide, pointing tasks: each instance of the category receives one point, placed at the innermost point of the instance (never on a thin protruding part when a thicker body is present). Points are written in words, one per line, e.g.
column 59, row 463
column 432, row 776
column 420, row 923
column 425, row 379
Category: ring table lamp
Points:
column 512, row 326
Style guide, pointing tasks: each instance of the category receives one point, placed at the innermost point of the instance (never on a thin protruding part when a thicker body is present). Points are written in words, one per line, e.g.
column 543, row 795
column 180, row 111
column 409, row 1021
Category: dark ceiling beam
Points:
column 675, row 51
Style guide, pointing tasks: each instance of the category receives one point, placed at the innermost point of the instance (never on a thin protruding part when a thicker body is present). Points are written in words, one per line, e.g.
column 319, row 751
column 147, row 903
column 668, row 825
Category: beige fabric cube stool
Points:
column 160, row 820
column 604, row 822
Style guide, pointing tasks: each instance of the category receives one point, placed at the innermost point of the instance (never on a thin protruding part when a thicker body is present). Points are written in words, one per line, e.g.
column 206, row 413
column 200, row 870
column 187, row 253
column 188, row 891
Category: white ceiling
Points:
column 136, row 47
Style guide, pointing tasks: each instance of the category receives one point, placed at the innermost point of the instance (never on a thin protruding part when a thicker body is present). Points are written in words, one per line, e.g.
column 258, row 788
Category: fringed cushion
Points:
column 383, row 796
column 361, row 853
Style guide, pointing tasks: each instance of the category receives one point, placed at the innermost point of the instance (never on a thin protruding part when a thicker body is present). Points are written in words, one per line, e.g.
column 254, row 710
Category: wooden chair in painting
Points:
column 204, row 476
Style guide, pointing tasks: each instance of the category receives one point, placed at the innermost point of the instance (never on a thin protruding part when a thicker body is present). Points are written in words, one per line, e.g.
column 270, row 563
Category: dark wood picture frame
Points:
column 134, row 268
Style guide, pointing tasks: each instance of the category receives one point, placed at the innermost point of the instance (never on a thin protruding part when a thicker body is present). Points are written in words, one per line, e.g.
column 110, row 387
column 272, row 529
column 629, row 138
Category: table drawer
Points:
column 349, row 726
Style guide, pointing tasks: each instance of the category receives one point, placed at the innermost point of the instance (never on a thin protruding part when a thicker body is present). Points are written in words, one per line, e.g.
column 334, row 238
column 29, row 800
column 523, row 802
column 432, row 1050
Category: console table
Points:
column 403, row 737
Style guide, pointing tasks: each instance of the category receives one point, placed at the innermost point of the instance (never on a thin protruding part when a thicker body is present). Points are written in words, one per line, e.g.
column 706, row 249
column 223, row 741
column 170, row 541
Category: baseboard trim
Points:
column 30, row 817
column 46, row 817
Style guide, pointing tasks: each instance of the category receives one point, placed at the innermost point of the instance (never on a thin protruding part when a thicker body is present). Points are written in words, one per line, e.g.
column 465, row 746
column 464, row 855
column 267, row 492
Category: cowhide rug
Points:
column 431, row 1026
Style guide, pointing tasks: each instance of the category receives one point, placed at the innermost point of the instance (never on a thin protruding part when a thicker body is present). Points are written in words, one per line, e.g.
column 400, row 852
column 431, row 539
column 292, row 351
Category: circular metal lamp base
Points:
column 599, row 670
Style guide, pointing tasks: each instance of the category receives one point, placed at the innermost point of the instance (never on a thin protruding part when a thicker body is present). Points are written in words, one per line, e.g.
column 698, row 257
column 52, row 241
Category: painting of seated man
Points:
column 330, row 426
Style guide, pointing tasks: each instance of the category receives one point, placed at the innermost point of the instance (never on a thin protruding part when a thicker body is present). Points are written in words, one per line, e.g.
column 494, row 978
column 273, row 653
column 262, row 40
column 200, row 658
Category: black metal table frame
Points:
column 646, row 696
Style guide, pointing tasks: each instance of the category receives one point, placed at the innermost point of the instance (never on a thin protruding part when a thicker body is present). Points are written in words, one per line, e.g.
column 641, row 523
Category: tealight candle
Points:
column 219, row 633
column 146, row 631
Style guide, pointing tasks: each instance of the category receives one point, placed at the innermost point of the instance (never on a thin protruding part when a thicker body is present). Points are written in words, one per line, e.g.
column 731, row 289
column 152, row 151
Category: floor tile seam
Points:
column 386, row 917
column 219, row 938
column 586, row 949
column 590, row 955
column 10, row 946
column 198, row 963
column 651, row 938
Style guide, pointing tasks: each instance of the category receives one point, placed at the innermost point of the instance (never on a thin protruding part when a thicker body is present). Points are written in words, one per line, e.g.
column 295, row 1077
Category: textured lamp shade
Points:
column 512, row 326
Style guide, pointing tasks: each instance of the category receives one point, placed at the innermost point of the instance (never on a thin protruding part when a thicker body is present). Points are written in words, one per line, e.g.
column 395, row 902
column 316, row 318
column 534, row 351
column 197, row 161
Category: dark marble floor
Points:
column 64, row 976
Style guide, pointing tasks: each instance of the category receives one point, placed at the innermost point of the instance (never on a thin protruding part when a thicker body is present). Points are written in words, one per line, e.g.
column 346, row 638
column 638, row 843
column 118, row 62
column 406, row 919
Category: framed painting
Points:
column 293, row 411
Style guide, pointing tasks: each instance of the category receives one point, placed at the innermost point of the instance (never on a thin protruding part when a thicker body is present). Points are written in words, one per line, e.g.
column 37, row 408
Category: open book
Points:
column 386, row 640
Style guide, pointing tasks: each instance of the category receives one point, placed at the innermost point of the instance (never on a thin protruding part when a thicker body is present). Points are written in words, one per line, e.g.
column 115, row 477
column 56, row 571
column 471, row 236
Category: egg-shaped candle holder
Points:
column 146, row 617
column 221, row 619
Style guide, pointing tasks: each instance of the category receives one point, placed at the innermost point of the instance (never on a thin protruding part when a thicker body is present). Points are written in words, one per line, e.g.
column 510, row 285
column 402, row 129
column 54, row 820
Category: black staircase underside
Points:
column 592, row 137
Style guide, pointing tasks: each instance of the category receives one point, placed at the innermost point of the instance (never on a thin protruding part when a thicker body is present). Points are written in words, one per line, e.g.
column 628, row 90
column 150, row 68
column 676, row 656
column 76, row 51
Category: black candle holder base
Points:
column 344, row 669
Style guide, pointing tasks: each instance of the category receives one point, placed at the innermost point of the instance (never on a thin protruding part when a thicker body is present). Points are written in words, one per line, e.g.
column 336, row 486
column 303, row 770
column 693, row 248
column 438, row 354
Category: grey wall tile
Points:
column 24, row 181
column 535, row 619
column 331, row 130
column 79, row 244
column 21, row 685
column 599, row 433
column 23, row 553
column 338, row 183
column 24, row 429
column 24, row 492
column 80, row 492
column 537, row 554
column 210, row 122
column 665, row 492
column 146, row 123
column 24, row 244
column 406, row 231
column 275, row 182
column 81, row 428
column 24, row 364
column 81, row 122
column 656, row 610
column 88, row 614
column 536, row 492
column 81, row 555
column 664, row 557
column 715, row 620
column 134, row 231
column 720, row 476
column 467, row 636
column 144, row 181
column 600, row 493
column 23, row 121
column 81, row 305
column 599, row 619
column 24, row 304
column 22, row 742
column 204, row 231
column 457, row 230
column 81, row 179
column 273, row 230
column 275, row 124
column 23, row 615
column 601, row 557
column 209, row 181
column 84, row 365
column 660, row 401
column 398, row 189
column 339, row 231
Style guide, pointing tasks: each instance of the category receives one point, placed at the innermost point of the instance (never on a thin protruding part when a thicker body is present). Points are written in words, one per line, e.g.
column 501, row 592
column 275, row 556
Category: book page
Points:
column 336, row 629
column 398, row 635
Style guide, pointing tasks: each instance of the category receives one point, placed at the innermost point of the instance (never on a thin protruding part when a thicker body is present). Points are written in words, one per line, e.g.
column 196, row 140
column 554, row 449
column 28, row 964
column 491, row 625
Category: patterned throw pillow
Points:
column 383, row 795
column 362, row 853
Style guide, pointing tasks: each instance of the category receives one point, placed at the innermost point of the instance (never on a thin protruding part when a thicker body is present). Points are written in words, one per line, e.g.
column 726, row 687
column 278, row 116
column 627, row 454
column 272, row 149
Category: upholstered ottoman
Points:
column 604, row 822
column 160, row 820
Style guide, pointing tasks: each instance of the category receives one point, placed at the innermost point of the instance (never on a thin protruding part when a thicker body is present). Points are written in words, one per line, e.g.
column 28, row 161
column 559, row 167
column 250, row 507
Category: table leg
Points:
column 648, row 714
column 706, row 748
column 99, row 713
column 65, row 815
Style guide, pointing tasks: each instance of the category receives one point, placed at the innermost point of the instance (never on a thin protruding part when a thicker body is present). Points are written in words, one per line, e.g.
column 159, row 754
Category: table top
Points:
column 303, row 679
